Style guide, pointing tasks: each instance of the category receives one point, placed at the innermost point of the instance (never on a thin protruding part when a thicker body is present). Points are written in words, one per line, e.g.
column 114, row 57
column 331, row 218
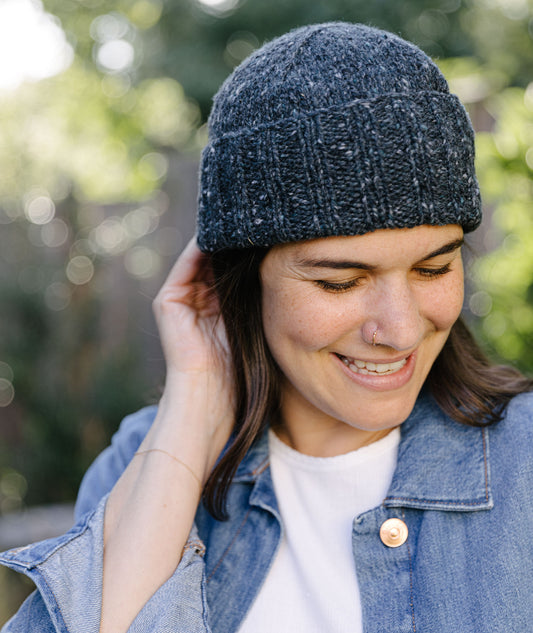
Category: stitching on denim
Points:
column 411, row 592
column 205, row 606
column 229, row 546
column 56, row 601
column 31, row 564
column 432, row 502
column 451, row 501
column 261, row 468
column 253, row 473
column 486, row 464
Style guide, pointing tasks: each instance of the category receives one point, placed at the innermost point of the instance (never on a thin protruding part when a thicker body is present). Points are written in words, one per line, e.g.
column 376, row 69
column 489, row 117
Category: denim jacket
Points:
column 467, row 564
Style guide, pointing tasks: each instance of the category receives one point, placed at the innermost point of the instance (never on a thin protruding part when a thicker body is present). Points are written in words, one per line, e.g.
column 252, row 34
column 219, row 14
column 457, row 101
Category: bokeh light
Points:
column 115, row 56
column 146, row 13
column 13, row 487
column 7, row 392
column 142, row 262
column 6, row 371
column 140, row 222
column 218, row 7
column 114, row 52
column 480, row 303
column 32, row 44
column 239, row 46
column 80, row 270
column 433, row 24
column 55, row 233
column 109, row 237
column 40, row 209
column 514, row 9
column 154, row 166
column 109, row 27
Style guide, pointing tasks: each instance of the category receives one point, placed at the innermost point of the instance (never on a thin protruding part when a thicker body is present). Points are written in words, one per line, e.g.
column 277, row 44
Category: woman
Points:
column 362, row 466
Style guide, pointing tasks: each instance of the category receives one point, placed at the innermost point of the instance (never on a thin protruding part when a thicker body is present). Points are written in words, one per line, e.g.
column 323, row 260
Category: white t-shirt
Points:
column 312, row 586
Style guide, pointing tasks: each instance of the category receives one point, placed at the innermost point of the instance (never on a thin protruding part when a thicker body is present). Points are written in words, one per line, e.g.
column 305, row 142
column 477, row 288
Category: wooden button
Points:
column 393, row 533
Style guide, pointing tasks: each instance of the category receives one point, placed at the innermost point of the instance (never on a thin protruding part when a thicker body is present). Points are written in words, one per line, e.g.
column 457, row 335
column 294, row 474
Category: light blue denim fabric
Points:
column 467, row 565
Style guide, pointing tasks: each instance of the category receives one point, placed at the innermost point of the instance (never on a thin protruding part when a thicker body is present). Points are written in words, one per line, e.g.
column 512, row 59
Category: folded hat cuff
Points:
column 394, row 161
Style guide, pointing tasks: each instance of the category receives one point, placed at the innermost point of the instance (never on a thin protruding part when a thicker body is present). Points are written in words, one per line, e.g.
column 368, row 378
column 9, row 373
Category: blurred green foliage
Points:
column 85, row 161
column 504, row 276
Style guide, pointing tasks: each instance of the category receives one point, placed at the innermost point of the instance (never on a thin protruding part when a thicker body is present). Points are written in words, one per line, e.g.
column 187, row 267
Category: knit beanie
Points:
column 334, row 129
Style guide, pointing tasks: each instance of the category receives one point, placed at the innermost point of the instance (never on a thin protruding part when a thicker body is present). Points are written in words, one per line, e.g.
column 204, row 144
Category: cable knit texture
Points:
column 334, row 129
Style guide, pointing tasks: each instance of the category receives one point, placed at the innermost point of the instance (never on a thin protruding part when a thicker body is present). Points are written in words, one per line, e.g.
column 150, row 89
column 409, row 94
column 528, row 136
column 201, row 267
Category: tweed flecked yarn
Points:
column 334, row 129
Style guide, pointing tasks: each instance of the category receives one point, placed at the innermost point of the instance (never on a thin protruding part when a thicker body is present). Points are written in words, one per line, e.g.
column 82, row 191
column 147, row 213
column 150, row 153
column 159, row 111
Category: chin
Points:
column 386, row 413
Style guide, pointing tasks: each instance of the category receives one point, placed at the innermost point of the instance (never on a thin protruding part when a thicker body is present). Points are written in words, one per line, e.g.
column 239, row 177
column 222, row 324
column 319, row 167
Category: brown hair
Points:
column 464, row 383
column 467, row 385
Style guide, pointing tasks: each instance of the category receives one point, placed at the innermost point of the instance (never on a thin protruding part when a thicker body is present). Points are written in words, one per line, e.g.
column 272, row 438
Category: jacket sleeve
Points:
column 67, row 570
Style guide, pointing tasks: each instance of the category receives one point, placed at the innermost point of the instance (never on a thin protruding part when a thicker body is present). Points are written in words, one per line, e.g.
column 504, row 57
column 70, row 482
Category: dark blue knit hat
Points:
column 334, row 129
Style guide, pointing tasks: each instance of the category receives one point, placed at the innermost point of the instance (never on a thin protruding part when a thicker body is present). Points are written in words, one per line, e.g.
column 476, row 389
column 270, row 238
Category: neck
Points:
column 325, row 440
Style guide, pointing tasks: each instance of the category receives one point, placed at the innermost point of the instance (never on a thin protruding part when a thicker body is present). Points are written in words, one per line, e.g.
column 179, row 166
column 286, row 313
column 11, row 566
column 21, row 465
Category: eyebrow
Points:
column 450, row 247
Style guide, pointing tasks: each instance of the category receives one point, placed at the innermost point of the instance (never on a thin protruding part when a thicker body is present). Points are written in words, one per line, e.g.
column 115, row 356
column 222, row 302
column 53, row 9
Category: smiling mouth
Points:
column 369, row 368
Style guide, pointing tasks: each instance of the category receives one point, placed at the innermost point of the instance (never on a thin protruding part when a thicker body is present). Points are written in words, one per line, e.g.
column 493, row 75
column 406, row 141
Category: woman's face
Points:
column 324, row 299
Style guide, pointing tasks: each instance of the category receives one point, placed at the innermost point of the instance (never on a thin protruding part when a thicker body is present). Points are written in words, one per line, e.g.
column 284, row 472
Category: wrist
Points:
column 193, row 423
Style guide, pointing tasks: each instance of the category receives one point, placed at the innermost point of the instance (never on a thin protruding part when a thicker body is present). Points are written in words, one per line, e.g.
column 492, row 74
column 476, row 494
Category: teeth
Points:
column 362, row 367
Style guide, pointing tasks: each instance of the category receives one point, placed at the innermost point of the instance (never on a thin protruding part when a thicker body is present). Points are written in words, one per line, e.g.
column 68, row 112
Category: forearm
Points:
column 150, row 511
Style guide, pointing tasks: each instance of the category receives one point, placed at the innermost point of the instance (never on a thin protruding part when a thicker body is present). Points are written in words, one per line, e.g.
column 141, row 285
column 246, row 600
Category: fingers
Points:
column 187, row 312
column 190, row 283
column 189, row 266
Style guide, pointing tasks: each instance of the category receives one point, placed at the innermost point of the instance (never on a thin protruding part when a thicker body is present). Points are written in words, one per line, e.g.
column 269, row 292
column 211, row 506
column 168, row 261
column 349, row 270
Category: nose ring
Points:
column 374, row 337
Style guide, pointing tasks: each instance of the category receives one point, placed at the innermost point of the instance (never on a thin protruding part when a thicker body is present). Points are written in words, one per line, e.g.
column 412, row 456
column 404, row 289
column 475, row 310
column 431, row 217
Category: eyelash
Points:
column 428, row 273
column 431, row 273
column 337, row 287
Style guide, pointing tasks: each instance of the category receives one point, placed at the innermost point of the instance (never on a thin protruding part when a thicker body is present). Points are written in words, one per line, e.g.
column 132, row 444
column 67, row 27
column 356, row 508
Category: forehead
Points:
column 382, row 247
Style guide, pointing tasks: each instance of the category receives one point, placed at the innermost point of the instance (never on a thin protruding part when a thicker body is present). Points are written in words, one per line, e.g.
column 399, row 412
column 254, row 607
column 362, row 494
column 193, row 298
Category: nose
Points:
column 395, row 318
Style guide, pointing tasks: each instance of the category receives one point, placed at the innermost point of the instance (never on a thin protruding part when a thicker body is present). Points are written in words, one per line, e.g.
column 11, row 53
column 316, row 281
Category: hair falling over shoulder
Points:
column 465, row 384
column 236, row 278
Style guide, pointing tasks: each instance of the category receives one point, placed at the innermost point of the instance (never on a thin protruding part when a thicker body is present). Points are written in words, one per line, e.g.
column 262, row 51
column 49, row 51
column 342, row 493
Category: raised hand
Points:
column 151, row 509
column 187, row 313
column 195, row 347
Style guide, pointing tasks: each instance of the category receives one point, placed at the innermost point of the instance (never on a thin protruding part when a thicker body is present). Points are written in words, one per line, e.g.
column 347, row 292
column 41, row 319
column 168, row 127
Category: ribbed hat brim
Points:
column 394, row 161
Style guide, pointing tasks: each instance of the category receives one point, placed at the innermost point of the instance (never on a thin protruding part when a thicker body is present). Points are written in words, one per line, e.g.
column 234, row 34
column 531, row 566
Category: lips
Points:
column 372, row 368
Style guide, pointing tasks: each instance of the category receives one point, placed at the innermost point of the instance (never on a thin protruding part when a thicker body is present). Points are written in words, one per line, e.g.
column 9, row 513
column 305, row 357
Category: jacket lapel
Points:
column 442, row 465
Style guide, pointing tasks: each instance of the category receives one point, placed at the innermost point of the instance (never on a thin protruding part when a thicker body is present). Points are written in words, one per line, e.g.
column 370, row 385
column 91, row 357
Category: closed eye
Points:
column 341, row 286
column 344, row 286
column 434, row 272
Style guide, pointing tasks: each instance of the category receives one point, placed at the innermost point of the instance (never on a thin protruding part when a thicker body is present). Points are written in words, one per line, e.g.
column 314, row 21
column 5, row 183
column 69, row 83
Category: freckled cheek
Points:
column 445, row 308
column 298, row 321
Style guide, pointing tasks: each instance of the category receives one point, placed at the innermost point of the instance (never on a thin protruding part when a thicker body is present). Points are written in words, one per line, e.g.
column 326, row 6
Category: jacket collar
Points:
column 442, row 465
column 255, row 468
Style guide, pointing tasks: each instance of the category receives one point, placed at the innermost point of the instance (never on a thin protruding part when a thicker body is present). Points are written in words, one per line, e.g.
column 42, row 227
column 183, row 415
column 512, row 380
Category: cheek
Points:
column 297, row 320
column 445, row 307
